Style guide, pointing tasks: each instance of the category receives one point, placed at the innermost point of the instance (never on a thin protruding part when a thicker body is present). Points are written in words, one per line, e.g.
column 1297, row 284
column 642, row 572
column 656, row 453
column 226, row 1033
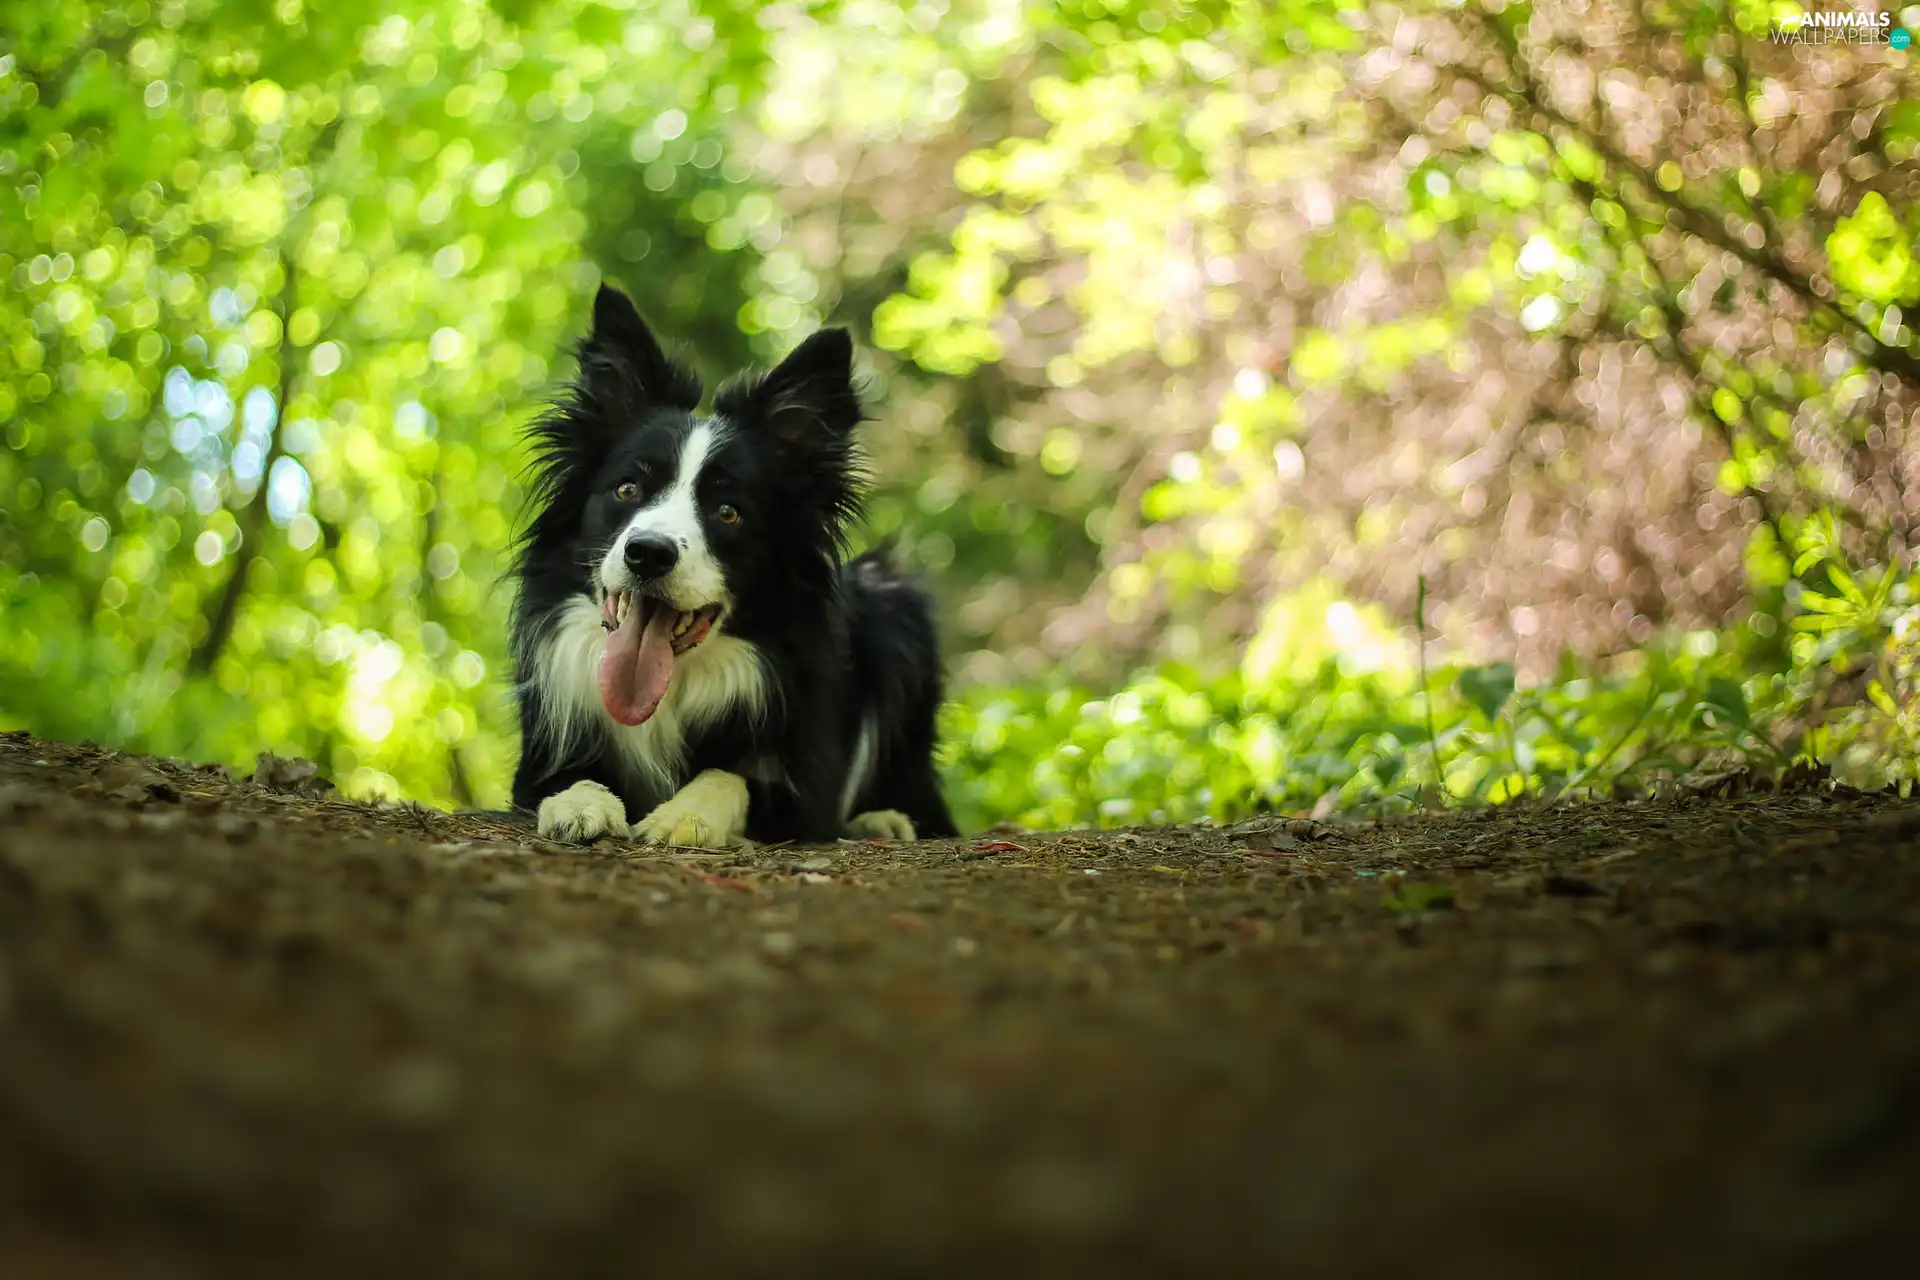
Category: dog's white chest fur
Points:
column 723, row 674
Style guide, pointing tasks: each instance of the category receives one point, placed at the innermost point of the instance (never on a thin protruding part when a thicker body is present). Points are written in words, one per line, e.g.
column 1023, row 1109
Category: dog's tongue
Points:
column 637, row 662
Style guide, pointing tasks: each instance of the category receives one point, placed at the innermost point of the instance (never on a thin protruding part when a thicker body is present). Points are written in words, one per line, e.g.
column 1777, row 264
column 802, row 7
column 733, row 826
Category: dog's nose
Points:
column 651, row 555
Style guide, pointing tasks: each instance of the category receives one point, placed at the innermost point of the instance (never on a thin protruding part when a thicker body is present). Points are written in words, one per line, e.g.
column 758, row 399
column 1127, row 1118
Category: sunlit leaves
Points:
column 1178, row 307
column 1315, row 734
column 1873, row 254
column 262, row 207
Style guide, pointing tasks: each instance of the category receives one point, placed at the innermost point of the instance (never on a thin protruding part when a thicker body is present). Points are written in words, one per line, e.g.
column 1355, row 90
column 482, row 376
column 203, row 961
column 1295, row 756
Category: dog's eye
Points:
column 726, row 513
column 627, row 492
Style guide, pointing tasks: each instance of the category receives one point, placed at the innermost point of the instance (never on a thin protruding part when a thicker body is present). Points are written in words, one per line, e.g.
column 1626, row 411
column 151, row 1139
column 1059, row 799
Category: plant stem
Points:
column 1426, row 693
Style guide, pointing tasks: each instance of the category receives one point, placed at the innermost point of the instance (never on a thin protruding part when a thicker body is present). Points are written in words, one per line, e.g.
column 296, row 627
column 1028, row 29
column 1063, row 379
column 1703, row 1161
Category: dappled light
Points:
column 1302, row 406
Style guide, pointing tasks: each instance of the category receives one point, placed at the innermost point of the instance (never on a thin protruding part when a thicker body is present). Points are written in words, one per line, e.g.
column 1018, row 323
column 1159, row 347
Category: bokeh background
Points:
column 1298, row 404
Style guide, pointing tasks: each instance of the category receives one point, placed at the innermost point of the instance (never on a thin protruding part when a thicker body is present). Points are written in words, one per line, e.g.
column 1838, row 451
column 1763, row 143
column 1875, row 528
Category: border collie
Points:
column 695, row 658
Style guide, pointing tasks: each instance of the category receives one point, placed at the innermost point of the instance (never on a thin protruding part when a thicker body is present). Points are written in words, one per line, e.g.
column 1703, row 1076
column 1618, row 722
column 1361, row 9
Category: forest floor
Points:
column 249, row 1029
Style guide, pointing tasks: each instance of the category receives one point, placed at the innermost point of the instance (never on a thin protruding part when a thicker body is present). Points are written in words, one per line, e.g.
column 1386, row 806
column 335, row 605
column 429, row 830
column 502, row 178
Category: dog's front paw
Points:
column 584, row 811
column 708, row 813
column 881, row 824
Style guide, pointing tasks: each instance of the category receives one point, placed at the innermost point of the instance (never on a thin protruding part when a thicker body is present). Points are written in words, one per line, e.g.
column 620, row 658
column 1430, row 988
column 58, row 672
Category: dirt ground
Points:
column 248, row 1029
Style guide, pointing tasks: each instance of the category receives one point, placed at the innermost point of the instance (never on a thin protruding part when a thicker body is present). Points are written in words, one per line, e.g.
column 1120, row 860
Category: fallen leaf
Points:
column 1727, row 784
column 987, row 850
column 1273, row 834
column 1805, row 775
column 296, row 777
column 131, row 780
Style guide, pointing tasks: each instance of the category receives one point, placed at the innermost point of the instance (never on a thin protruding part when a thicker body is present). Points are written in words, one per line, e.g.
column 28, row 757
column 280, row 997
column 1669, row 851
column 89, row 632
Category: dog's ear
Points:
column 809, row 398
column 622, row 367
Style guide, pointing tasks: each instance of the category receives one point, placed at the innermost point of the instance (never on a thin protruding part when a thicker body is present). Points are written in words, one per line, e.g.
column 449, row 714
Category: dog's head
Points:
column 680, row 524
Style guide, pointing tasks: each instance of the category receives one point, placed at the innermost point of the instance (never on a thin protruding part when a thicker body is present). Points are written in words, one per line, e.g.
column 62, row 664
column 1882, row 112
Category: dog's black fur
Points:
column 838, row 647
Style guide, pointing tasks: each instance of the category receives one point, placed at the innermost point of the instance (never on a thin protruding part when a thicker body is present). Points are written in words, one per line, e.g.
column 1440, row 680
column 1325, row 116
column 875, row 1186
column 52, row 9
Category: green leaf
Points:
column 1726, row 406
column 1415, row 898
column 1877, row 692
column 1728, row 698
column 1814, row 602
column 1488, row 687
column 1844, row 583
column 1872, row 253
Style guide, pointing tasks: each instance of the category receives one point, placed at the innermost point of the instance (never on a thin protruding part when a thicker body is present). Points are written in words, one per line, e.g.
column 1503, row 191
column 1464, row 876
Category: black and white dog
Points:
column 696, row 660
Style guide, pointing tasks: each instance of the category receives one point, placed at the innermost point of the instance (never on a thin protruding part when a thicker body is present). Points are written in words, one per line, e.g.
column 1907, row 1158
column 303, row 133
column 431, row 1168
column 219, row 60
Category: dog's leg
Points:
column 708, row 813
column 921, row 800
column 584, row 811
column 881, row 824
column 911, row 794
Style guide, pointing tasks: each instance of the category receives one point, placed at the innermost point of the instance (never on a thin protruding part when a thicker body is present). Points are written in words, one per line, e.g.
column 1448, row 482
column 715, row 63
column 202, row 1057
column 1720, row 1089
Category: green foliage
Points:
column 286, row 280
column 1872, row 254
column 1171, row 747
column 1181, row 315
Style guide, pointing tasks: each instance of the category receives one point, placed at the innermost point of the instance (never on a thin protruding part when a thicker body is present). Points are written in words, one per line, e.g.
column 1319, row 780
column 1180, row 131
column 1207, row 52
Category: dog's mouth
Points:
column 645, row 637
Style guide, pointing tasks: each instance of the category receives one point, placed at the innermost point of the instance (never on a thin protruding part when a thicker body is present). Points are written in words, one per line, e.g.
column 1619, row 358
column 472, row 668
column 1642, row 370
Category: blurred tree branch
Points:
column 1705, row 223
column 252, row 517
column 1674, row 321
